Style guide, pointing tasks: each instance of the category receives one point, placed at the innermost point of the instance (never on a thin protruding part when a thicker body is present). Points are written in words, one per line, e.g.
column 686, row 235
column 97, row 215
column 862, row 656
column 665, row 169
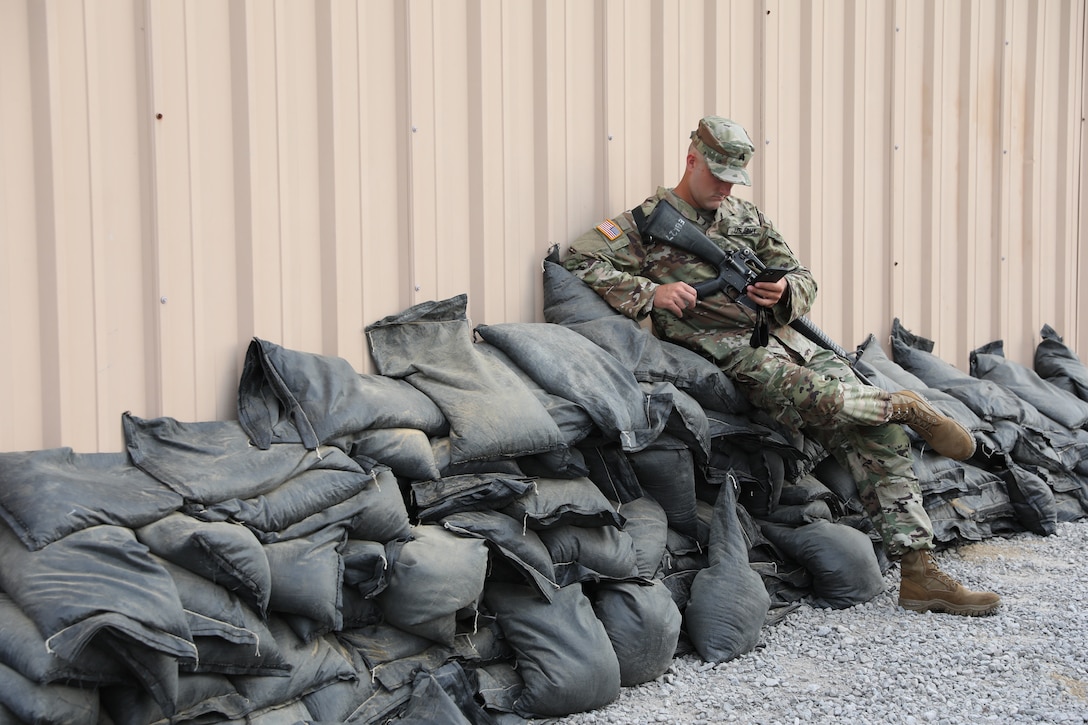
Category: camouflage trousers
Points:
column 823, row 398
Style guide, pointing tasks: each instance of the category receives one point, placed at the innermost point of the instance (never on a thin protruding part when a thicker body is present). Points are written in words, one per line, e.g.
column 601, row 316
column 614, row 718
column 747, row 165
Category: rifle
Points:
column 736, row 269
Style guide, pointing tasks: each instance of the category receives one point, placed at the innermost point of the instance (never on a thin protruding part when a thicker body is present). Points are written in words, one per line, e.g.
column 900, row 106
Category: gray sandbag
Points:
column 567, row 299
column 224, row 553
column 1031, row 497
column 841, row 559
column 643, row 623
column 573, row 421
column 201, row 697
column 666, row 473
column 213, row 461
column 648, row 526
column 48, row 494
column 801, row 513
column 23, row 649
column 939, row 474
column 728, row 602
column 806, row 489
column 570, row 302
column 365, row 566
column 469, row 492
column 500, row 686
column 492, row 414
column 442, row 449
column 230, row 638
column 687, row 422
column 446, row 695
column 871, row 354
column 308, row 578
column 983, row 509
column 610, row 470
column 290, row 396
column 560, row 502
column 562, row 650
column 568, row 365
column 101, row 586
column 383, row 516
column 314, row 665
column 580, row 553
column 31, row 702
column 329, row 481
column 989, row 363
column 431, row 577
column 840, row 482
column 407, row 451
column 1056, row 363
column 336, row 701
column 516, row 544
column 988, row 400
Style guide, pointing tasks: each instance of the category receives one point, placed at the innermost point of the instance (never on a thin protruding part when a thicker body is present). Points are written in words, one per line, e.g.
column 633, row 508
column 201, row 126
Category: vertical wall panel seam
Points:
column 96, row 270
column 45, row 160
column 155, row 358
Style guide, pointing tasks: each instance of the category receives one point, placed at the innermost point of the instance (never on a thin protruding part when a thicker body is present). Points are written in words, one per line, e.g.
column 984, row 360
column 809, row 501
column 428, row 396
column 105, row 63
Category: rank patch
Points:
column 610, row 230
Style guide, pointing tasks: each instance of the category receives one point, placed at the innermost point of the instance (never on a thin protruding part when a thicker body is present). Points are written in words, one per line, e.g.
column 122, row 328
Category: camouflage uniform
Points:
column 799, row 383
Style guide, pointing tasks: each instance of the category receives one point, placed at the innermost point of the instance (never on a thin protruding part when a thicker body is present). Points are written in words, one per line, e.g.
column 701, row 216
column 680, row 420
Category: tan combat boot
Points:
column 925, row 588
column 944, row 434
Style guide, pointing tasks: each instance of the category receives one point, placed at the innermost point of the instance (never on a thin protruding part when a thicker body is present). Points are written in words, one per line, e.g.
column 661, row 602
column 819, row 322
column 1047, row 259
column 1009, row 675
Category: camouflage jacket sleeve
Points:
column 610, row 258
column 741, row 224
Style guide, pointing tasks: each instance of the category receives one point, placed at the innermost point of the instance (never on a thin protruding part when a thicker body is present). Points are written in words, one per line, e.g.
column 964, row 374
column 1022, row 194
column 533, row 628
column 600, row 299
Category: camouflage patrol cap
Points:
column 726, row 147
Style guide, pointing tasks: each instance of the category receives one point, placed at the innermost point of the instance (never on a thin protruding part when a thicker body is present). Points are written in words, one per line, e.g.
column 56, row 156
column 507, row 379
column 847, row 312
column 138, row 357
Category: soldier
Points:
column 802, row 385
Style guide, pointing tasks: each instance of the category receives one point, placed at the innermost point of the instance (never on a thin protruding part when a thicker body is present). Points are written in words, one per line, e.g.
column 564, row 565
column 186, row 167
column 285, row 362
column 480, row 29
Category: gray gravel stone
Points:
column 877, row 663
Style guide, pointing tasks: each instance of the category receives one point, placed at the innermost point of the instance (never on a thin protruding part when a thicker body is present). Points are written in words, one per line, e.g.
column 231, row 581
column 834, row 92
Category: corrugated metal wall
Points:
column 178, row 176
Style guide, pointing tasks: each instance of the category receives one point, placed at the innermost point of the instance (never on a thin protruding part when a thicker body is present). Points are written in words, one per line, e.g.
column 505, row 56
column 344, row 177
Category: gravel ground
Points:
column 877, row 663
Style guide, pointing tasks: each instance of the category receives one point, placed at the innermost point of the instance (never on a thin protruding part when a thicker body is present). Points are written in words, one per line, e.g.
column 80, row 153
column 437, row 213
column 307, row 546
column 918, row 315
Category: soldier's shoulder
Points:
column 739, row 217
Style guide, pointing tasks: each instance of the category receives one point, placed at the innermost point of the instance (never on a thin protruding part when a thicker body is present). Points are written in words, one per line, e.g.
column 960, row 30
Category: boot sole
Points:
column 942, row 607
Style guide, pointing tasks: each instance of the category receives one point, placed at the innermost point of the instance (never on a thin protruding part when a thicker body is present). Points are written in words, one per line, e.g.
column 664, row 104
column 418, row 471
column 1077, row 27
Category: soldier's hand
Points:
column 676, row 297
column 767, row 294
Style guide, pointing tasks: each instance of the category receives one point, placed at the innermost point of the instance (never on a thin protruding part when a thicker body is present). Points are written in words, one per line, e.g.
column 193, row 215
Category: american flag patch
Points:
column 610, row 230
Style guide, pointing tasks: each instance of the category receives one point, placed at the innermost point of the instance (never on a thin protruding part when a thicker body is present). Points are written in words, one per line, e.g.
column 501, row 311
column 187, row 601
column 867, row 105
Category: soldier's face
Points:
column 707, row 189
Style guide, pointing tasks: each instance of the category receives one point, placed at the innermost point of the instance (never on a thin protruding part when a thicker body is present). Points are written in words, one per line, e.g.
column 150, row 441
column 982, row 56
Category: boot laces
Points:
column 931, row 569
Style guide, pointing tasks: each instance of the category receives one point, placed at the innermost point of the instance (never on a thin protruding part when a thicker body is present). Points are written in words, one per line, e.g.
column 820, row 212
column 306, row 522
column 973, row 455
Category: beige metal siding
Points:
column 178, row 176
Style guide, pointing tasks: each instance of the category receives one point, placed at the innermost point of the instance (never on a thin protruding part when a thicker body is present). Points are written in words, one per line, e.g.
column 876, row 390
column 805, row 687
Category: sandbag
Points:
column 31, row 702
column 610, row 471
column 566, row 364
column 492, row 414
column 518, row 545
column 581, row 553
column 407, row 451
column 648, row 526
column 211, row 461
column 569, row 301
column 308, row 578
column 561, row 502
column 23, row 649
column 563, row 652
column 841, row 559
column 728, row 601
column 431, row 577
column 989, row 363
column 46, row 495
column 667, row 475
column 222, row 552
column 468, row 492
column 230, row 638
column 643, row 623
column 288, row 396
column 1056, row 362
column 201, row 697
